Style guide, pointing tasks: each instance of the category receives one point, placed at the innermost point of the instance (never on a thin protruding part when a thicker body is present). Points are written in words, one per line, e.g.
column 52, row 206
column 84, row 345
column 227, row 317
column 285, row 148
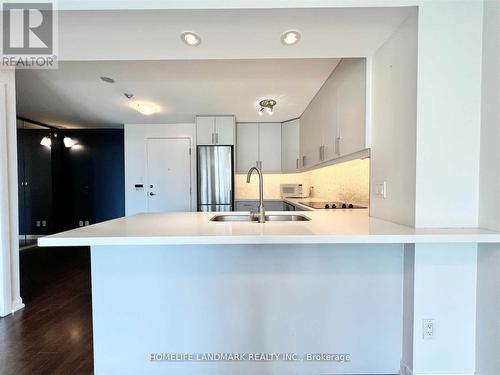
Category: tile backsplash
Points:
column 349, row 181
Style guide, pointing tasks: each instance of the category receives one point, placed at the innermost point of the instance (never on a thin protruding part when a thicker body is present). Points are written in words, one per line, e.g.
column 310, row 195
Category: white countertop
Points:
column 326, row 226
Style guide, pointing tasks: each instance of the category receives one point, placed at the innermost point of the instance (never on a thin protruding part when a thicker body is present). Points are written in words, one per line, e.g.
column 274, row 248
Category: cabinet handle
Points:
column 322, row 153
column 337, row 146
column 213, row 138
column 296, row 163
column 216, row 138
column 304, row 161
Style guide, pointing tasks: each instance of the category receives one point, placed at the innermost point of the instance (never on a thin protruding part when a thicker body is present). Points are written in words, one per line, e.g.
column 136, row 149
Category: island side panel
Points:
column 247, row 299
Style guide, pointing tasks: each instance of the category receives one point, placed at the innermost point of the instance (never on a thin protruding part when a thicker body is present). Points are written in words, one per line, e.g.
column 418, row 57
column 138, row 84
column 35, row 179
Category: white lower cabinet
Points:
column 258, row 144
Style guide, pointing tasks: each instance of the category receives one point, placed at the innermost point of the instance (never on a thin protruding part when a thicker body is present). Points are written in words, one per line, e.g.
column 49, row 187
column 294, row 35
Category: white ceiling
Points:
column 226, row 33
column 74, row 96
column 239, row 61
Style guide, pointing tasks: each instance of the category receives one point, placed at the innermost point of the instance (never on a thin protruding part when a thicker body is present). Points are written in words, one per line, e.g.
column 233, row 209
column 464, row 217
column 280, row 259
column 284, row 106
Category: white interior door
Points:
column 168, row 174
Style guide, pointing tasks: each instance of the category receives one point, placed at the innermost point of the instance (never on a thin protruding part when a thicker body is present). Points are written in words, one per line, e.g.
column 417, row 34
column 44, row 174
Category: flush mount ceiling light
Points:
column 144, row 108
column 191, row 38
column 290, row 37
column 108, row 79
column 267, row 105
column 46, row 141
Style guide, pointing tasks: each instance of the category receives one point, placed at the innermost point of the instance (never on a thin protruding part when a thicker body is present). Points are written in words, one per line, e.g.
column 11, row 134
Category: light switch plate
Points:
column 381, row 189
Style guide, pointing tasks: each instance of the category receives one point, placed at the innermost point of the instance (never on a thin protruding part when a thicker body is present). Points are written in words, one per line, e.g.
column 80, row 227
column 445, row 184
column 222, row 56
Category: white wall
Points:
column 135, row 159
column 488, row 310
column 489, row 215
column 439, row 283
column 448, row 113
column 488, row 274
column 10, row 298
column 394, row 110
column 408, row 308
column 240, row 299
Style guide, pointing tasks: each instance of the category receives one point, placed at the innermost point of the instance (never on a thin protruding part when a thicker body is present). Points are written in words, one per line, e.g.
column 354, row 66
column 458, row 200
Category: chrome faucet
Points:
column 261, row 214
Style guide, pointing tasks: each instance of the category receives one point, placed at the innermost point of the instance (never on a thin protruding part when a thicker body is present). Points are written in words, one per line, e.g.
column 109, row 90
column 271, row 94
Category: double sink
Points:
column 255, row 218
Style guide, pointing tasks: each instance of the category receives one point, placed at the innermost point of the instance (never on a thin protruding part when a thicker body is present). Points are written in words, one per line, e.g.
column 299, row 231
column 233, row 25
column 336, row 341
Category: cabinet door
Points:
column 224, row 128
column 290, row 146
column 252, row 206
column 270, row 146
column 247, row 146
column 310, row 139
column 351, row 112
column 205, row 130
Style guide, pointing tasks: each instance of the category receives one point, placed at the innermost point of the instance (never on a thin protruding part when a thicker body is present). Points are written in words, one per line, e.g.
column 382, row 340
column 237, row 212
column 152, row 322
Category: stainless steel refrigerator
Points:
column 215, row 178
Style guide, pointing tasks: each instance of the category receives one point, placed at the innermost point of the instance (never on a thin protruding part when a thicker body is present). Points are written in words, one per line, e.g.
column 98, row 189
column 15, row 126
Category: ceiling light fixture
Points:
column 268, row 105
column 108, row 79
column 46, row 141
column 290, row 37
column 191, row 38
column 144, row 108
column 68, row 142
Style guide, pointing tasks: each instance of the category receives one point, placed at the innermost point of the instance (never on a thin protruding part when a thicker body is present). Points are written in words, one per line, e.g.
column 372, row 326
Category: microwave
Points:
column 293, row 191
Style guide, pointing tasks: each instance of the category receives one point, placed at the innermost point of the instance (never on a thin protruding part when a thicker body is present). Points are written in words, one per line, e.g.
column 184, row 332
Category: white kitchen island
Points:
column 177, row 284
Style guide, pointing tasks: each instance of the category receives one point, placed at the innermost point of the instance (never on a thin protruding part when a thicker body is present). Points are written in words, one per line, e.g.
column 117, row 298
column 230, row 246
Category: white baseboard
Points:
column 17, row 304
column 406, row 370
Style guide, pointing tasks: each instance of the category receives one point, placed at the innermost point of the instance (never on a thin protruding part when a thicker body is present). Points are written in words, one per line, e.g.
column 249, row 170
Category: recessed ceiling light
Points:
column 290, row 37
column 190, row 38
column 108, row 79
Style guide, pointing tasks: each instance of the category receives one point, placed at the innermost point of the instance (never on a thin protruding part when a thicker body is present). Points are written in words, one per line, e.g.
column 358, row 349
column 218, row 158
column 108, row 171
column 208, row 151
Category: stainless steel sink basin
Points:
column 255, row 218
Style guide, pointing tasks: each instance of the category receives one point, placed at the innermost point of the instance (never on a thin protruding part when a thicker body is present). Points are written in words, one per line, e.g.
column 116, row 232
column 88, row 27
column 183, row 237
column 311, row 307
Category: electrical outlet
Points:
column 44, row 223
column 381, row 189
column 428, row 329
column 80, row 223
column 86, row 222
column 38, row 223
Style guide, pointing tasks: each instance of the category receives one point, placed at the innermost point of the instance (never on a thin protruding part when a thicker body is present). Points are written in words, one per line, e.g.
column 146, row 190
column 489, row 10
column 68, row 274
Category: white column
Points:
column 10, row 298
column 439, row 284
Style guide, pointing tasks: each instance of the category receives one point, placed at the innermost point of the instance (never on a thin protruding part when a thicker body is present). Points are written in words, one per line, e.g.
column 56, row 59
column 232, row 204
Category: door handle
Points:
column 151, row 193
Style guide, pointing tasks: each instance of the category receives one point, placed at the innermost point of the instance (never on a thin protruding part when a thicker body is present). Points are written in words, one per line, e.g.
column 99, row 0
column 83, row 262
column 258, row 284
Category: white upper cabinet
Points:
column 215, row 130
column 351, row 109
column 290, row 152
column 224, row 130
column 270, row 147
column 247, row 146
column 258, row 145
column 334, row 123
column 205, row 129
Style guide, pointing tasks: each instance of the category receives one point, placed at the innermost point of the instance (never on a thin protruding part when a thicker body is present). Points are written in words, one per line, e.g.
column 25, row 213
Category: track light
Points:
column 268, row 105
column 46, row 141
column 68, row 142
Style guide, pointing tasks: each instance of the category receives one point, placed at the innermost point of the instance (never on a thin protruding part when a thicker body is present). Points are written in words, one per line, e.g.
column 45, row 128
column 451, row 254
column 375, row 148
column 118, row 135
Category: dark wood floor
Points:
column 53, row 333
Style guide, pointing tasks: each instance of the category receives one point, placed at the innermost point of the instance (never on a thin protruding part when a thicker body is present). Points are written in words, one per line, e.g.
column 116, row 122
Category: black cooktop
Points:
column 331, row 205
